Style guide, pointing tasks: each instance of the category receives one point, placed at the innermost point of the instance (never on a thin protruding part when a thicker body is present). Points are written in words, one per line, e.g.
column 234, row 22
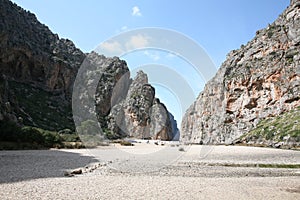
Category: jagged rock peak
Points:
column 124, row 107
column 140, row 114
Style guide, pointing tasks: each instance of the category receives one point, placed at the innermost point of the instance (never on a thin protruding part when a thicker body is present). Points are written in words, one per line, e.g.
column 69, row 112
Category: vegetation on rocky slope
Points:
column 282, row 130
column 15, row 137
column 41, row 108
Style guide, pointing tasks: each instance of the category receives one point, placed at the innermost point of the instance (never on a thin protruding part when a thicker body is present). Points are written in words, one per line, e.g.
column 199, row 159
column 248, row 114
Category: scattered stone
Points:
column 77, row 171
column 68, row 174
column 181, row 149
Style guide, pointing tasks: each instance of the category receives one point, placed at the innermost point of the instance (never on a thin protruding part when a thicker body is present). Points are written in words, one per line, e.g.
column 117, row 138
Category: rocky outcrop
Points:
column 136, row 112
column 160, row 122
column 137, row 107
column 124, row 107
column 145, row 116
column 40, row 70
column 112, row 86
column 258, row 81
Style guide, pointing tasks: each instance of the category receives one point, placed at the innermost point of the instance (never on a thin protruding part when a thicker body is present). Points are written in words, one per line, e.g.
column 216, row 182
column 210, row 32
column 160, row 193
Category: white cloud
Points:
column 137, row 41
column 153, row 56
column 136, row 12
column 124, row 28
column 112, row 47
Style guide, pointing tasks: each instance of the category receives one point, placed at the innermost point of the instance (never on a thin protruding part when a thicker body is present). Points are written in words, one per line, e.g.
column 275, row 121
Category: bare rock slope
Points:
column 38, row 70
column 260, row 80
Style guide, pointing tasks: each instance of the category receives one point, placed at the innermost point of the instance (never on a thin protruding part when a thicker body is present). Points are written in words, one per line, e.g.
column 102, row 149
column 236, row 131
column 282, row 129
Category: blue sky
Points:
column 217, row 26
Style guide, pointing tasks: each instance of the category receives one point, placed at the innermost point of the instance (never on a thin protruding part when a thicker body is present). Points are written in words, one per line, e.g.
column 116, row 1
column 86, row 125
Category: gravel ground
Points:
column 149, row 172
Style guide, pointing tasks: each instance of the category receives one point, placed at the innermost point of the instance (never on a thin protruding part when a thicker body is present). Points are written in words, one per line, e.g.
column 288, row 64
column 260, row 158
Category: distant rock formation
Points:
column 145, row 116
column 175, row 130
column 124, row 107
column 258, row 81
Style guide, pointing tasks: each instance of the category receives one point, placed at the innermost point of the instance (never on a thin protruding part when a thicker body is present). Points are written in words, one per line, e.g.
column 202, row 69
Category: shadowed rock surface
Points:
column 31, row 53
column 38, row 72
column 39, row 68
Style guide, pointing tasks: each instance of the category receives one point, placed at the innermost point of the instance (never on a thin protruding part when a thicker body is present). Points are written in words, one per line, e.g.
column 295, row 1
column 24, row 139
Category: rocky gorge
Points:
column 259, row 81
column 255, row 88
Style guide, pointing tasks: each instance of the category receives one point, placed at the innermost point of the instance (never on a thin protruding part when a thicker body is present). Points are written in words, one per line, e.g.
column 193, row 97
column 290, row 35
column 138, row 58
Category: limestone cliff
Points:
column 258, row 81
column 31, row 53
column 126, row 107
column 145, row 116
column 39, row 68
column 39, row 71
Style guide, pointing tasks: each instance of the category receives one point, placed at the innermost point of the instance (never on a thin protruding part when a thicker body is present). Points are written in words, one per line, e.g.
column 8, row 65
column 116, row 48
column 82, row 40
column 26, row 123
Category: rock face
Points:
column 8, row 104
column 137, row 107
column 124, row 107
column 112, row 86
column 145, row 116
column 39, row 67
column 31, row 53
column 175, row 130
column 258, row 81
column 133, row 110
column 39, row 71
column 282, row 131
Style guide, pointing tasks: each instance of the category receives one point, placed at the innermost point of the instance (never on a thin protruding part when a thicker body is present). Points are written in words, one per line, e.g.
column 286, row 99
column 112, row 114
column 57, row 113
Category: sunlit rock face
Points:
column 260, row 80
column 139, row 114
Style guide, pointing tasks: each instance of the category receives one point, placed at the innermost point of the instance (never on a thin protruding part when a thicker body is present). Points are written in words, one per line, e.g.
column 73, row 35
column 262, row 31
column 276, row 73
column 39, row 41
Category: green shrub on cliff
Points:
column 283, row 128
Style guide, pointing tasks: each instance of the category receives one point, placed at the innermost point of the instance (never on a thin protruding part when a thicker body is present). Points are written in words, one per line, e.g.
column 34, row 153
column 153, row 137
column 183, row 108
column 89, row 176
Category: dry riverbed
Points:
column 149, row 171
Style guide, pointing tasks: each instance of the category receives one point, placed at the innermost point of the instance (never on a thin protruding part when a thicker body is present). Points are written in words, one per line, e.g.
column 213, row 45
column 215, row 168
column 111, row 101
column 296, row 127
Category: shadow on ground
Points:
column 33, row 164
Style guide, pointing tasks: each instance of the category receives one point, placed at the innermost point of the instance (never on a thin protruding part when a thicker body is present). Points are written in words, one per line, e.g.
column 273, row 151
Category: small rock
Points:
column 77, row 171
column 68, row 174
